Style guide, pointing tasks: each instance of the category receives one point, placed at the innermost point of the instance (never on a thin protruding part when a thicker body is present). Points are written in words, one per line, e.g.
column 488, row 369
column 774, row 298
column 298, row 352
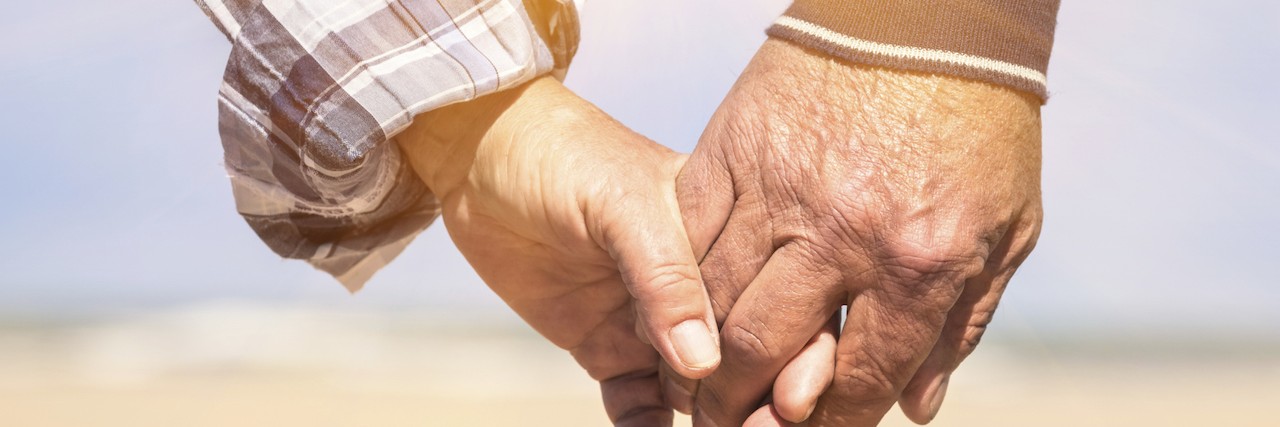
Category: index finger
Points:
column 786, row 304
column 886, row 337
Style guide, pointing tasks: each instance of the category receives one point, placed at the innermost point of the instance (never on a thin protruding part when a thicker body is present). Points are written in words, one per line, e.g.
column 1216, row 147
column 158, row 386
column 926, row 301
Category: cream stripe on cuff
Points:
column 910, row 52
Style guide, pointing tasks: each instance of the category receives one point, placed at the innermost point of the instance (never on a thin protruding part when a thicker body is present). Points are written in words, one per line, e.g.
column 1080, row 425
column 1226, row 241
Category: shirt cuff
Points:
column 315, row 91
column 1005, row 42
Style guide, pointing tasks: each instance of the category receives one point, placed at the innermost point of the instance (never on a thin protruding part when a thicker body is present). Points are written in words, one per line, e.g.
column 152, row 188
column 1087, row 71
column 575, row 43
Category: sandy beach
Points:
column 248, row 365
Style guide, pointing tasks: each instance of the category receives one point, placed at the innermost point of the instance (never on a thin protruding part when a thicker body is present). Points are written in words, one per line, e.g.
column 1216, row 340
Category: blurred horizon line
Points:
column 1006, row 332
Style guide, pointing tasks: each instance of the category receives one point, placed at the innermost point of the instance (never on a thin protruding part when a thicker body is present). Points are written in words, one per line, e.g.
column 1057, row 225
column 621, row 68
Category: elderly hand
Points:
column 562, row 211
column 910, row 198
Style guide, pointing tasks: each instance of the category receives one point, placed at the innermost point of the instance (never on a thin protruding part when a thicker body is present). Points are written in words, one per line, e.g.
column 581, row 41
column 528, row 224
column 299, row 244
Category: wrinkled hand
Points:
column 909, row 198
column 568, row 215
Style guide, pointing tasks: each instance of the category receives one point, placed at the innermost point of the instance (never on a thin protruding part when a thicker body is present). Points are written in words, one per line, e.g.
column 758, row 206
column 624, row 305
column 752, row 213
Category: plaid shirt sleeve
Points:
column 315, row 91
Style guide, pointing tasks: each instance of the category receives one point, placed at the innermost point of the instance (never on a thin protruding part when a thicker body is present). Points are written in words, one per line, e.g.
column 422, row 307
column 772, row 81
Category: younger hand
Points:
column 570, row 217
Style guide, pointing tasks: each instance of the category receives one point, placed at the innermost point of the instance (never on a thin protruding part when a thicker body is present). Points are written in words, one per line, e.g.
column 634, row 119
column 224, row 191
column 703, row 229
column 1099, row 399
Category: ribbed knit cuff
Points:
column 1006, row 42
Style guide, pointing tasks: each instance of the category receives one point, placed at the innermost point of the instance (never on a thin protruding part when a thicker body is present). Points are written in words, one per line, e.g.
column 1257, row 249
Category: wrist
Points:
column 798, row 88
column 443, row 144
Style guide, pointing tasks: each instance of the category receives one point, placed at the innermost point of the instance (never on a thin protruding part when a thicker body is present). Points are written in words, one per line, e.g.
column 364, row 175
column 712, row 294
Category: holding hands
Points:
column 836, row 243
column 572, row 219
column 910, row 199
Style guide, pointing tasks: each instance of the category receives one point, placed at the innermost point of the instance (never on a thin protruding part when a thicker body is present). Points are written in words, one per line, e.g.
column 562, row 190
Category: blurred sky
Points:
column 1162, row 168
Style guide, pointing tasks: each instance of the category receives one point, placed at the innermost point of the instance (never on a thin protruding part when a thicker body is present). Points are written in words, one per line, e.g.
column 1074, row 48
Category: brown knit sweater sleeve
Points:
column 1005, row 42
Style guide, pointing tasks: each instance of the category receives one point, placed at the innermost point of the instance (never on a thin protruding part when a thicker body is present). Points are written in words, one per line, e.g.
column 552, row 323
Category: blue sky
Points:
column 1162, row 168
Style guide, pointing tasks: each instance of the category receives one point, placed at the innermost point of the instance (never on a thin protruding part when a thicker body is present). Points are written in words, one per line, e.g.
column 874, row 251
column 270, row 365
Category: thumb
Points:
column 646, row 237
column 705, row 191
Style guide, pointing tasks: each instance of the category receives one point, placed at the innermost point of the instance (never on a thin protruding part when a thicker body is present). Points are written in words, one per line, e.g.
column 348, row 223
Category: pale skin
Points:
column 910, row 199
column 572, row 219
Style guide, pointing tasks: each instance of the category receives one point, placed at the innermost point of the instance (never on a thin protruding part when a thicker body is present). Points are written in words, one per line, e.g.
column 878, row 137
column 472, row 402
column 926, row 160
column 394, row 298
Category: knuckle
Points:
column 919, row 267
column 916, row 261
column 664, row 279
column 1027, row 238
column 972, row 336
column 872, row 379
column 974, row 332
column 865, row 387
column 747, row 345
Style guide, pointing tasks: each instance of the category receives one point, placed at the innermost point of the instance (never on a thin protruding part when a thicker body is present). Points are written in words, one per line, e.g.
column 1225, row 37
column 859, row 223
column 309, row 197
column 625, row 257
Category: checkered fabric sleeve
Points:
column 314, row 91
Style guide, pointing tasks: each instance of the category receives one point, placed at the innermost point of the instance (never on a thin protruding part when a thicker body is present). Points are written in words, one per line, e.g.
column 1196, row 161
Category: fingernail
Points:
column 939, row 392
column 694, row 346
